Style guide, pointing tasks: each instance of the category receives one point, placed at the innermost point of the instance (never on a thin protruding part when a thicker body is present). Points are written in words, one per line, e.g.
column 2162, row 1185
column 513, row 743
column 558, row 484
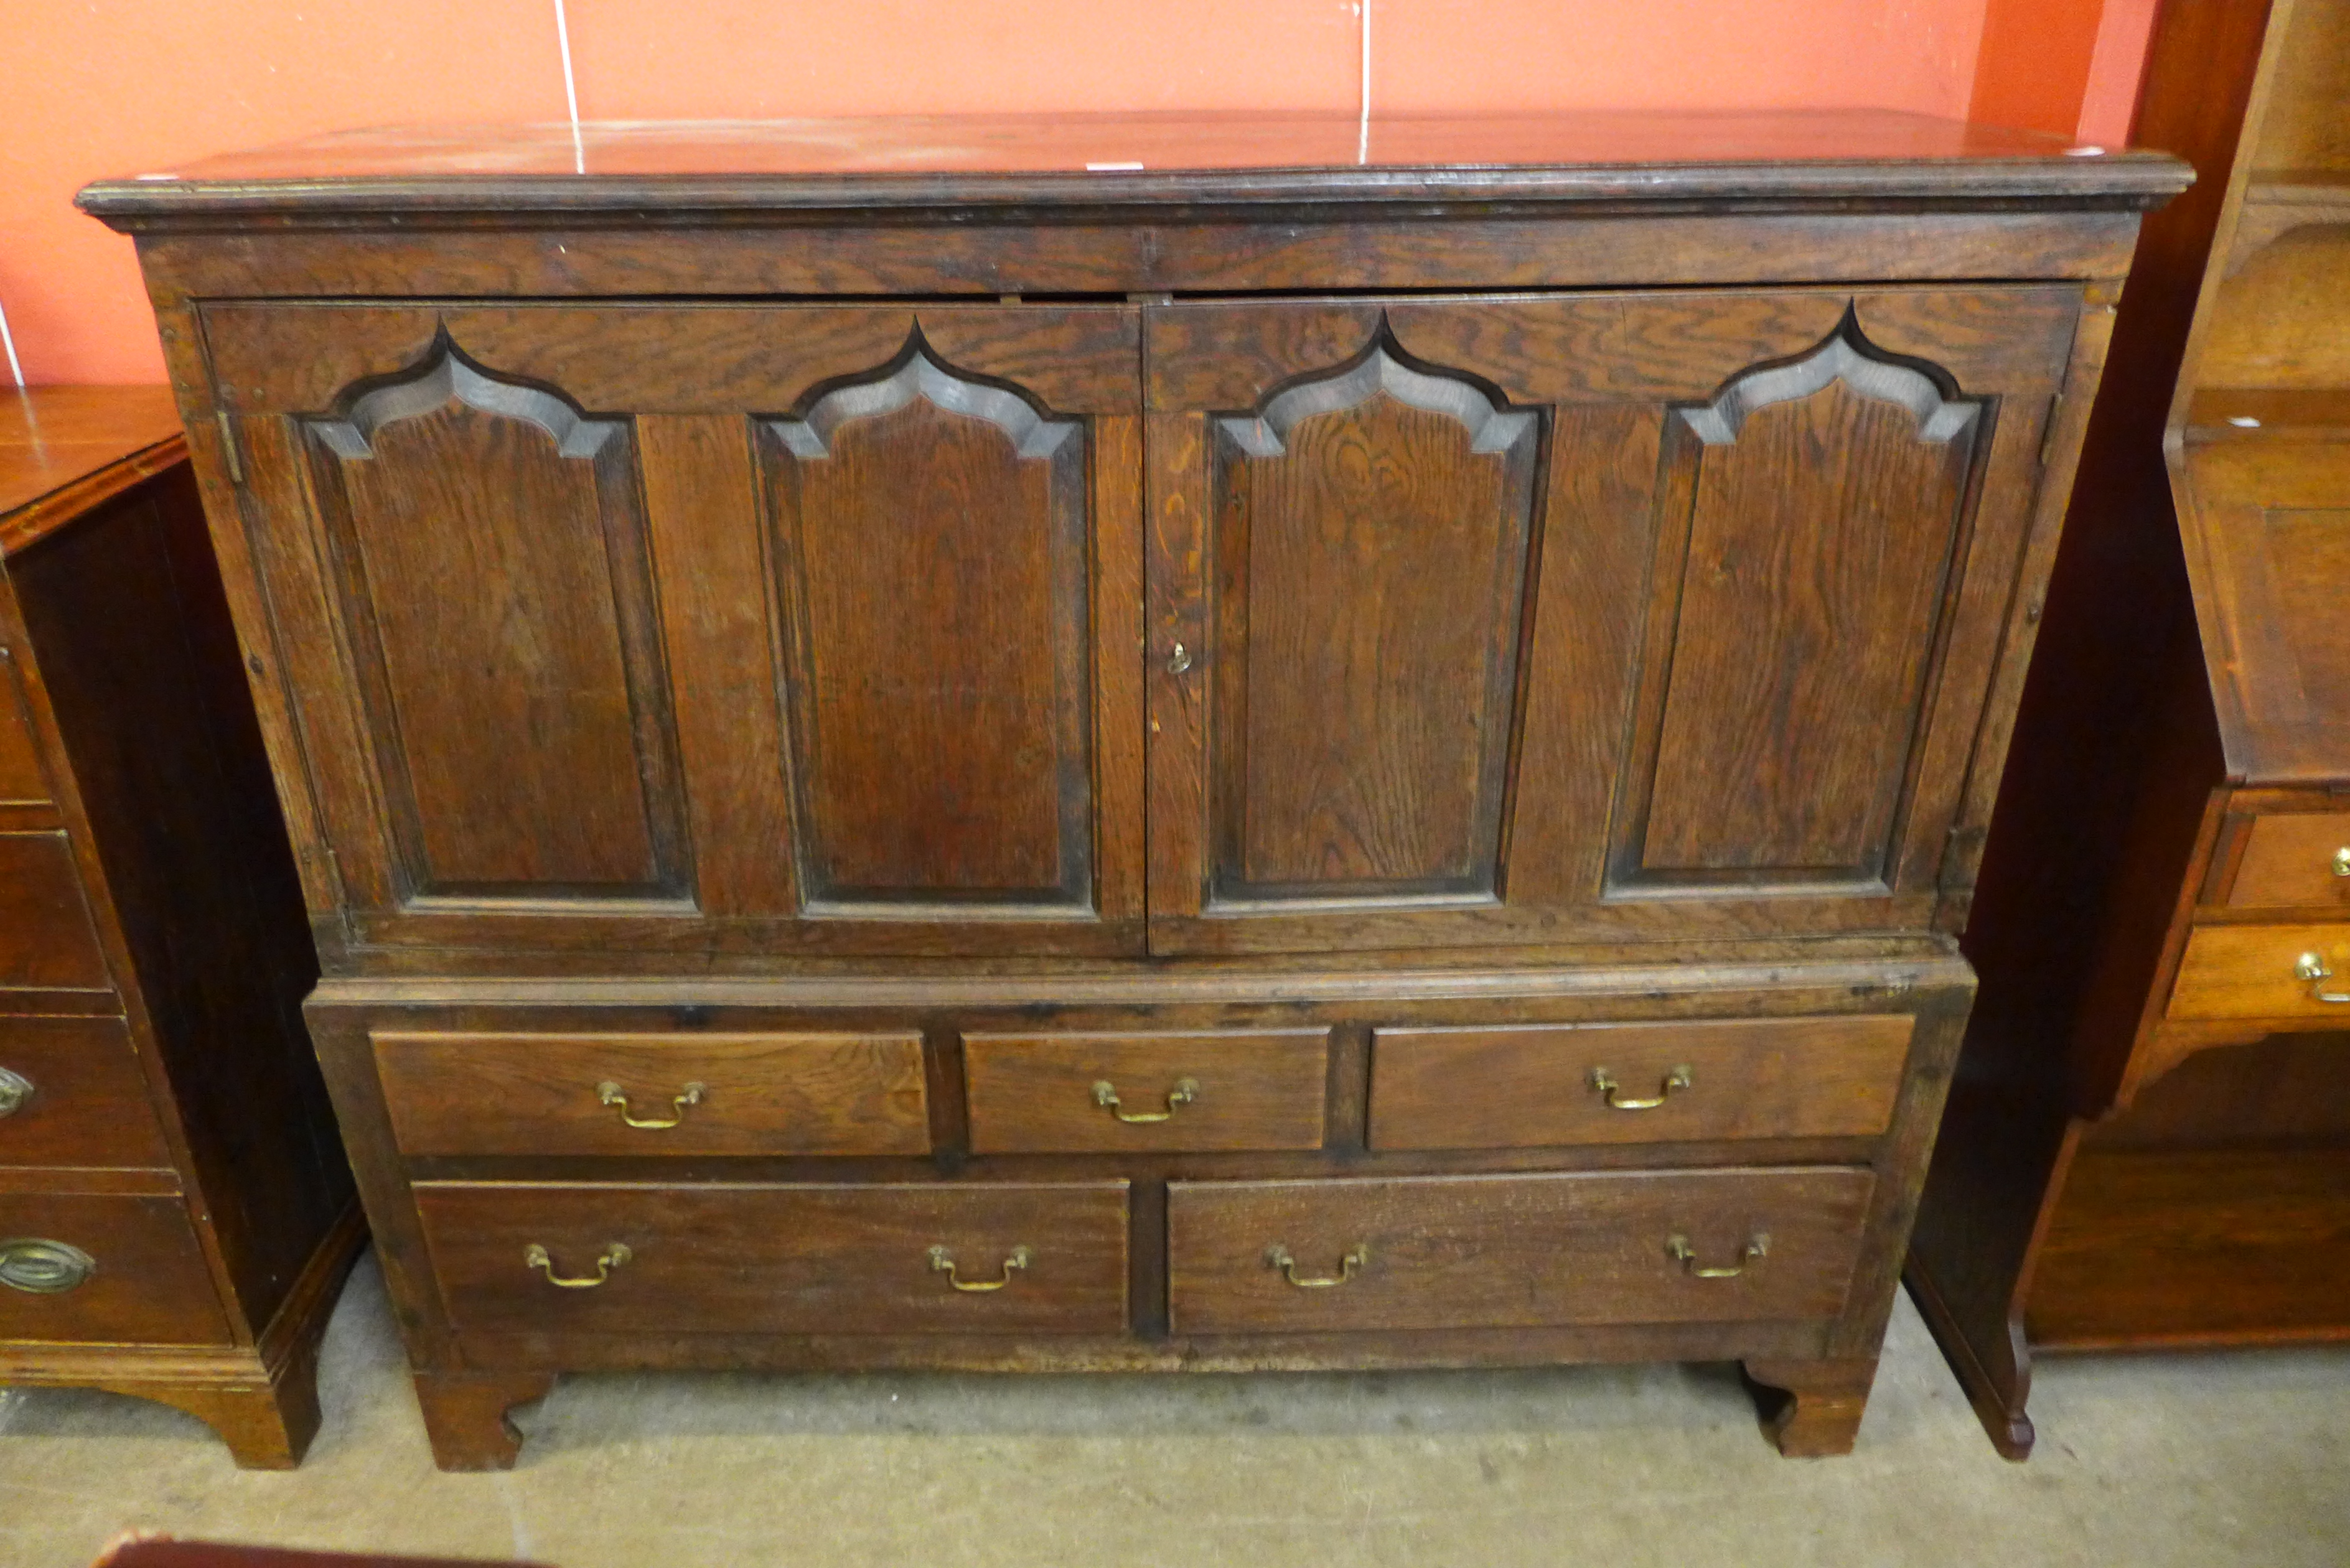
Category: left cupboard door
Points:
column 709, row 629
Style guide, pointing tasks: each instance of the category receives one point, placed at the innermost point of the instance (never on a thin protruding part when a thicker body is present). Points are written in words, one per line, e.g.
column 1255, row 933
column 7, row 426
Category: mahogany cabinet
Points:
column 176, row 1216
column 907, row 752
column 2148, row 1141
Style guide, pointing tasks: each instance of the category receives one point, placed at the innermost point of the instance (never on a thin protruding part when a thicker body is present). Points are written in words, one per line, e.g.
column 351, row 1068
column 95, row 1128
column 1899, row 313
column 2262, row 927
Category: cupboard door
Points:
column 730, row 628
column 1516, row 620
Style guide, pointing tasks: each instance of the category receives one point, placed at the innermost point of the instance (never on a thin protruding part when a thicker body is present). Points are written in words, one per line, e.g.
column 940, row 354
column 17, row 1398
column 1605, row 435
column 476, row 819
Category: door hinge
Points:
column 228, row 447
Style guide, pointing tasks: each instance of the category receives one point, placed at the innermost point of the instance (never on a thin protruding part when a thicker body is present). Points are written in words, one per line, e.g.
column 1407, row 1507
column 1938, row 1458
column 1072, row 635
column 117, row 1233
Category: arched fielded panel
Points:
column 1371, row 534
column 489, row 550
column 930, row 548
column 1810, row 515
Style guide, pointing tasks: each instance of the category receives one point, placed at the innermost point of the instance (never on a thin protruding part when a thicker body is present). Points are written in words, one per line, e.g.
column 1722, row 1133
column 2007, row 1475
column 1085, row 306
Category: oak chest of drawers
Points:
column 1319, row 746
column 175, row 1213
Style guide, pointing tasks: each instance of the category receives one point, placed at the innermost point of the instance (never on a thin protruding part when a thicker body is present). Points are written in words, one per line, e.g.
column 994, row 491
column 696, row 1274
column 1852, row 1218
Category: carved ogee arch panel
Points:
column 1372, row 531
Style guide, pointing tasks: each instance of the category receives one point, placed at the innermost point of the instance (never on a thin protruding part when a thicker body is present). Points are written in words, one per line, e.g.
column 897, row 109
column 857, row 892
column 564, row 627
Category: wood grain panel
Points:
column 2295, row 860
column 46, row 936
column 2253, row 971
column 1175, row 563
column 493, row 567
column 1370, row 556
column 1507, row 1251
column 1036, row 1094
column 151, row 1282
column 932, row 554
column 89, row 1103
column 1529, row 1086
column 843, row 1259
column 772, row 1093
column 1798, row 617
column 1120, row 638
column 710, row 574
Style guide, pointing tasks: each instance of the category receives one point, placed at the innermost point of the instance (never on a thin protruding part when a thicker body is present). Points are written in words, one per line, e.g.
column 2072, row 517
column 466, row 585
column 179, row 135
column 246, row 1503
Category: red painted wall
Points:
column 97, row 88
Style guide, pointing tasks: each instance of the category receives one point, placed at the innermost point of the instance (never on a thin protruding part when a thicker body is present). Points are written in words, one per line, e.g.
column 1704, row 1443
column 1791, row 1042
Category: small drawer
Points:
column 1513, row 1252
column 2298, row 860
column 71, row 1094
column 1637, row 1083
column 655, row 1094
column 610, row 1258
column 47, row 940
column 1087, row 1094
column 21, row 783
column 104, row 1268
column 2264, row 971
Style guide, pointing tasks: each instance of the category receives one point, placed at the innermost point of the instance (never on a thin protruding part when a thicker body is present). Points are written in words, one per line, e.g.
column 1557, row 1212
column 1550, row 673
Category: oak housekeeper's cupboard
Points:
column 1139, row 742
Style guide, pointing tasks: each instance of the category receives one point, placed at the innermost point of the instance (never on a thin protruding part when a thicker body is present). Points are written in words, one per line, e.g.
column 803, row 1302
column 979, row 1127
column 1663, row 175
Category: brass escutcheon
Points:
column 942, row 1262
column 1602, row 1083
column 1185, row 1091
column 1277, row 1256
column 612, row 1257
column 608, row 1092
column 2342, row 861
column 1677, row 1248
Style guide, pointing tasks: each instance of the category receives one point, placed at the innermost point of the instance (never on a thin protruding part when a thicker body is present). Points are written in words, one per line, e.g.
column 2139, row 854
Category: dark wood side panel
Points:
column 1799, row 609
column 848, row 1259
column 496, row 588
column 932, row 558
column 158, row 727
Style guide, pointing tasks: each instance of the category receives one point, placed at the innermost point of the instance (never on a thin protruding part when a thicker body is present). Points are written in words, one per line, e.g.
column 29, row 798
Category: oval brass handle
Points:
column 611, row 1258
column 608, row 1092
column 2313, row 968
column 43, row 1268
column 14, row 1090
column 1185, row 1091
column 1277, row 1256
column 1677, row 1248
column 1602, row 1083
column 942, row 1262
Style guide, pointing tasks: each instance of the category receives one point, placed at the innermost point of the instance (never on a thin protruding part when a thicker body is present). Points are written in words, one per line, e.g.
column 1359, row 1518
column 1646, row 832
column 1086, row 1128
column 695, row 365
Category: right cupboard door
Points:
column 1519, row 620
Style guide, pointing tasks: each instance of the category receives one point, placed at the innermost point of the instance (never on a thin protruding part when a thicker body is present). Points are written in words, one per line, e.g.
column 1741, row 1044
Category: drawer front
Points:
column 2264, row 971
column 2297, row 860
column 1513, row 1252
column 47, row 940
column 655, row 1094
column 1636, row 1083
column 146, row 1280
column 770, row 1258
column 20, row 757
column 1084, row 1094
column 71, row 1094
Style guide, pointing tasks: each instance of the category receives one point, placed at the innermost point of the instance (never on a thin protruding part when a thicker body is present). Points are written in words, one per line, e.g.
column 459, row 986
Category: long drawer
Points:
column 2295, row 860
column 1106, row 1094
column 1636, row 1083
column 1511, row 1251
column 544, row 1094
column 104, row 1268
column 620, row 1258
column 2264, row 971
column 47, row 940
column 71, row 1094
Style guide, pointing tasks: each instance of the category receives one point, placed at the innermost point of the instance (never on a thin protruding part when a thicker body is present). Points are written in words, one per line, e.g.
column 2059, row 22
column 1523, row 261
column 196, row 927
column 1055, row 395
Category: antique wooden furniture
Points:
column 175, row 1211
column 1139, row 742
column 2149, row 1142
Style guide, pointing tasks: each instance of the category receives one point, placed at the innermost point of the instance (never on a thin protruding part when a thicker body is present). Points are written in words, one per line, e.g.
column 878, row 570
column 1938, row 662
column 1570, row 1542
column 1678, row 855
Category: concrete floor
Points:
column 2196, row 1460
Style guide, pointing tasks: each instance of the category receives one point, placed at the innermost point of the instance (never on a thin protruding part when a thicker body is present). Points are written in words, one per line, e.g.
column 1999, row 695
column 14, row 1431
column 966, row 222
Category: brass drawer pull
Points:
column 1602, row 1083
column 1277, row 1256
column 14, row 1090
column 2342, row 861
column 1677, row 1248
column 608, row 1092
column 611, row 1258
column 1185, row 1091
column 942, row 1262
column 2313, row 968
column 41, row 1268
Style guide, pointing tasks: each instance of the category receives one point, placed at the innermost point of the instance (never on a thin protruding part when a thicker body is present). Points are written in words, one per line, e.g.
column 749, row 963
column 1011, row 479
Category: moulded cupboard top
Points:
column 1831, row 159
column 63, row 447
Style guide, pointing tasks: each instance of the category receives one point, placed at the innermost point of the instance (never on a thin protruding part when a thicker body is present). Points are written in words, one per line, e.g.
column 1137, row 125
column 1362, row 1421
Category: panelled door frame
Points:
column 1610, row 377
column 700, row 403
